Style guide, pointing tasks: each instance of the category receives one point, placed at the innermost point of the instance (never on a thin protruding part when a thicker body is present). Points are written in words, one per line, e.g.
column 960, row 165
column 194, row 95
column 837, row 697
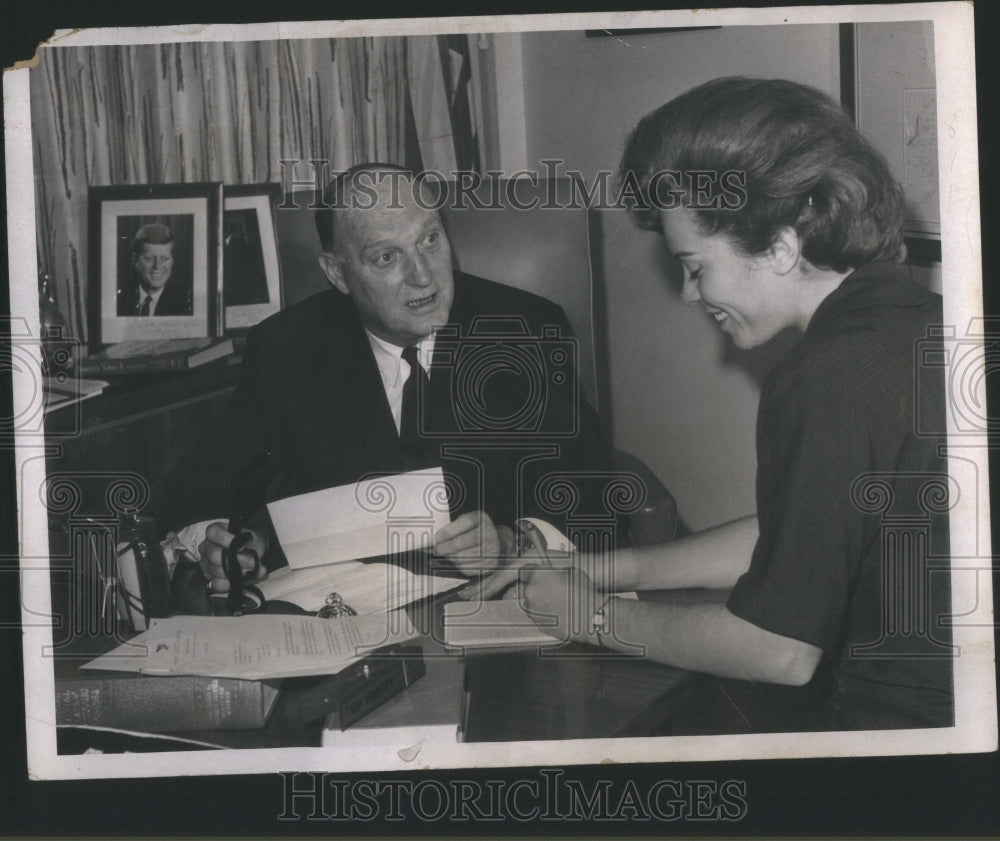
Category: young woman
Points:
column 797, row 224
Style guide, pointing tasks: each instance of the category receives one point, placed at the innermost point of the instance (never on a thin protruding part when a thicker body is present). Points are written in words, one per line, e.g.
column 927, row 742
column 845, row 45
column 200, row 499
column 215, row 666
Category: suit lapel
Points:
column 355, row 393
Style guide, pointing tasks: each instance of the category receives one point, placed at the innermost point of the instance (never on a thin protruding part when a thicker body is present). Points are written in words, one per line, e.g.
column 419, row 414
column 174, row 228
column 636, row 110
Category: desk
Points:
column 136, row 429
column 566, row 692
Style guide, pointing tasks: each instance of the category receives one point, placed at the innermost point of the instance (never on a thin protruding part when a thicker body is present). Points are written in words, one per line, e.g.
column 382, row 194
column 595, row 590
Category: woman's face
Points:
column 747, row 299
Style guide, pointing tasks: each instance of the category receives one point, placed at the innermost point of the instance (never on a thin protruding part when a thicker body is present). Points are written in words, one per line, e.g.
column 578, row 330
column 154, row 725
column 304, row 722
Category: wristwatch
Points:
column 600, row 621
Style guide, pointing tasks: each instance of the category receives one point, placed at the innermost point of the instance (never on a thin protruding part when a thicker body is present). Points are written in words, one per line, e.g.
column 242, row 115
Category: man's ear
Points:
column 785, row 251
column 334, row 270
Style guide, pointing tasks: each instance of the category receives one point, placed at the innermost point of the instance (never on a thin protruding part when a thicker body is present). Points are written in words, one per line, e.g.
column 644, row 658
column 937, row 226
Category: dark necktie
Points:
column 144, row 309
column 415, row 394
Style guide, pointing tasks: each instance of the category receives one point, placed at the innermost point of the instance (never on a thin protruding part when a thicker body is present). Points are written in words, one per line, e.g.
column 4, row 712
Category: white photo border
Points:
column 975, row 728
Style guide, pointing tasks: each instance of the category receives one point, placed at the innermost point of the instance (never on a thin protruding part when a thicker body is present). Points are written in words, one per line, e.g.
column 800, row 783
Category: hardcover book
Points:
column 168, row 355
column 155, row 704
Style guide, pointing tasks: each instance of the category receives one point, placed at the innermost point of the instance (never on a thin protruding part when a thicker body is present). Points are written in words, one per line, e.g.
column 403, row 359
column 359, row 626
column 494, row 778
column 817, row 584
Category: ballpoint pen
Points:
column 236, row 600
column 251, row 489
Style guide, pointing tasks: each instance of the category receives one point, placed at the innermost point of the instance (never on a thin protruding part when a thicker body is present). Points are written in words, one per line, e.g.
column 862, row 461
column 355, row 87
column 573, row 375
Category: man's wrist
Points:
column 508, row 541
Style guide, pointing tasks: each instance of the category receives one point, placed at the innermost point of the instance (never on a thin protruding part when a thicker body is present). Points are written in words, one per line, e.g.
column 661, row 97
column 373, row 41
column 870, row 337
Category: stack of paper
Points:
column 366, row 588
column 255, row 647
column 65, row 391
column 324, row 534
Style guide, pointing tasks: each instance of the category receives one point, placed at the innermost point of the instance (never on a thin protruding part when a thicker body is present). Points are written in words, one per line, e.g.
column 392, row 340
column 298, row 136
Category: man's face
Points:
column 394, row 260
column 154, row 265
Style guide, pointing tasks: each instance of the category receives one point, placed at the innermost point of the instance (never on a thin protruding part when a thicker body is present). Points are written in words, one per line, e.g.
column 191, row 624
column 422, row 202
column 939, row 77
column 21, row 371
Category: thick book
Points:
column 136, row 357
column 429, row 711
column 493, row 624
column 153, row 704
column 349, row 696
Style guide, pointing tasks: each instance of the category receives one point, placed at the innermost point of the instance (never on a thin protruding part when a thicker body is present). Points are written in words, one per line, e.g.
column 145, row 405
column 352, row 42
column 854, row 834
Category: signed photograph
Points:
column 148, row 283
column 251, row 279
column 607, row 389
column 153, row 261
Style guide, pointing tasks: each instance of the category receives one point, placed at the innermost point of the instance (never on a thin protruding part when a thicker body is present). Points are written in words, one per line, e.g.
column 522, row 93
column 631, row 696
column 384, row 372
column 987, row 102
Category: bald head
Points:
column 363, row 187
column 385, row 247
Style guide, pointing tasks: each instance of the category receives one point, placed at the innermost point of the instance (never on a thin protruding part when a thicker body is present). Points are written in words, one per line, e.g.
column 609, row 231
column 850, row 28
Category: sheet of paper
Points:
column 367, row 588
column 367, row 519
column 257, row 647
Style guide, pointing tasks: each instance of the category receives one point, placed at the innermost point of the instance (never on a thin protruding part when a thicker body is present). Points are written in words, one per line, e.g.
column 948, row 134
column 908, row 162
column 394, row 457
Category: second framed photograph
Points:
column 155, row 267
column 250, row 266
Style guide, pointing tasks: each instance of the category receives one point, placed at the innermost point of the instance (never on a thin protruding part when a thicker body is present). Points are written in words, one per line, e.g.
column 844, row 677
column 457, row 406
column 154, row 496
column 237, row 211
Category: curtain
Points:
column 186, row 112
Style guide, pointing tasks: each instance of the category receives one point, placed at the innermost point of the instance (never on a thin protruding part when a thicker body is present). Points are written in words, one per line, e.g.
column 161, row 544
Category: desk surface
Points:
column 531, row 694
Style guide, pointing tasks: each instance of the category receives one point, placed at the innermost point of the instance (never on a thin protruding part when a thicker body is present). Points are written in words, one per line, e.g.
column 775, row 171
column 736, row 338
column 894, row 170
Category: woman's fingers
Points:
column 490, row 586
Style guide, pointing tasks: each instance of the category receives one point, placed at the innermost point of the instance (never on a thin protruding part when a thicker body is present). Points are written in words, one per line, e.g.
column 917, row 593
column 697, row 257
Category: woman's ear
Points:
column 334, row 271
column 785, row 252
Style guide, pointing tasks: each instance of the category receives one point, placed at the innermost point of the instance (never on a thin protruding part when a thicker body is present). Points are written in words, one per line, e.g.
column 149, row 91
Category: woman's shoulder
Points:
column 864, row 352
column 872, row 325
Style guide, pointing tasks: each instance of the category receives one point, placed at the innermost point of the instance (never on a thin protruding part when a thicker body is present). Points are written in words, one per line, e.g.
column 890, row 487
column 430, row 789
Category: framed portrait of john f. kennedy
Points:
column 155, row 262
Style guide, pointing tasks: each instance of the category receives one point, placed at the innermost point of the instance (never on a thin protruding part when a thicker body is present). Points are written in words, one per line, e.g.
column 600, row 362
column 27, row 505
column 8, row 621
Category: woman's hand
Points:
column 567, row 595
column 507, row 568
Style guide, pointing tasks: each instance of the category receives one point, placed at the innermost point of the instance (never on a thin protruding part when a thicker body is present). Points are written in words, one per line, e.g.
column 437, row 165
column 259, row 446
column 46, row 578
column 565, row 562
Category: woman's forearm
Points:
column 707, row 638
column 714, row 558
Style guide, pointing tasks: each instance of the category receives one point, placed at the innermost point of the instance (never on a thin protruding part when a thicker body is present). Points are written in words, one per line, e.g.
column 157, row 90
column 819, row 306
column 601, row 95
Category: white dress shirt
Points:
column 395, row 370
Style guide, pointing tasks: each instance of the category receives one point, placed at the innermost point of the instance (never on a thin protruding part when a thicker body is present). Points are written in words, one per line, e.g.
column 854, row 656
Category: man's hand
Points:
column 472, row 543
column 210, row 552
column 510, row 570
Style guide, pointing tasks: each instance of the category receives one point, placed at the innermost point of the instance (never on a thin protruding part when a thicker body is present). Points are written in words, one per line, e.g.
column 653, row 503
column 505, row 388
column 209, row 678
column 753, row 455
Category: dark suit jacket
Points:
column 505, row 410
column 175, row 300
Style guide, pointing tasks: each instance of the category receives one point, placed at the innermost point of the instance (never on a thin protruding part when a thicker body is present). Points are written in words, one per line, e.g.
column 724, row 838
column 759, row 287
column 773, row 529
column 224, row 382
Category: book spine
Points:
column 161, row 704
column 133, row 366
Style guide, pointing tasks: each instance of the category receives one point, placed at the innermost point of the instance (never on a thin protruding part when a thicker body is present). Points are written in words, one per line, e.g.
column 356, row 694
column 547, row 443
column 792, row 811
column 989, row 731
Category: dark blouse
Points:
column 852, row 503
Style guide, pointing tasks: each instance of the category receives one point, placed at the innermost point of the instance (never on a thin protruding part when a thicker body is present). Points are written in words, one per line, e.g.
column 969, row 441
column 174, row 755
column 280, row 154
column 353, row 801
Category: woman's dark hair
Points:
column 752, row 156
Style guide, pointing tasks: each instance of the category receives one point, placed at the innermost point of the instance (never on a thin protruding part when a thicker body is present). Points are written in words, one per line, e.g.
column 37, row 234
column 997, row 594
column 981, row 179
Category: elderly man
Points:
column 155, row 290
column 332, row 387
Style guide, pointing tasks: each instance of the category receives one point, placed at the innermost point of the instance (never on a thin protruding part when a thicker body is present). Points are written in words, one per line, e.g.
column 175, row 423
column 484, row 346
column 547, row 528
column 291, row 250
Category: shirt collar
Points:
column 872, row 284
column 389, row 357
column 155, row 296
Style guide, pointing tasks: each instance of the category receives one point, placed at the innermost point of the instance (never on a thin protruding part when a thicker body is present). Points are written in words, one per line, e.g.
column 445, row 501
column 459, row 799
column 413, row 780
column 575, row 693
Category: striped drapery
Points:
column 212, row 111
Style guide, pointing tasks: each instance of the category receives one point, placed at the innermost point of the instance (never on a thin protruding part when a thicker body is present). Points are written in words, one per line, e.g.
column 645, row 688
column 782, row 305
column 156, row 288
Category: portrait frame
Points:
column 878, row 103
column 248, row 213
column 115, row 215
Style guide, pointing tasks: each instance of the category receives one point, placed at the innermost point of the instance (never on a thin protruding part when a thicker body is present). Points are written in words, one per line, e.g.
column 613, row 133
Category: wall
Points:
column 682, row 400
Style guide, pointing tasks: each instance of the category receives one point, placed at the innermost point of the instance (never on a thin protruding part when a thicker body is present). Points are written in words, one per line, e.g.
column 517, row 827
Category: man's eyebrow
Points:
column 390, row 243
column 378, row 243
